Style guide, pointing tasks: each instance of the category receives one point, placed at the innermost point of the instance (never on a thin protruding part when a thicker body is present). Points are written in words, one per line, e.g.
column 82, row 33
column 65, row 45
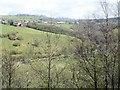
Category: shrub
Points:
column 14, row 52
column 10, row 22
column 19, row 38
column 0, row 35
column 3, row 35
column 12, row 35
column 35, row 43
column 16, row 43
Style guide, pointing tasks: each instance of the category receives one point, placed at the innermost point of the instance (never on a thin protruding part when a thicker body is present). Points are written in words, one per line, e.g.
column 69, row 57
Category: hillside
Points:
column 32, row 51
column 37, row 17
column 25, row 17
column 28, row 36
column 35, row 57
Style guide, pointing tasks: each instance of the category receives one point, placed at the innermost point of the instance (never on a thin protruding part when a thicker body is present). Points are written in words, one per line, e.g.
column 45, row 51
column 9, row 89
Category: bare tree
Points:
column 118, row 45
column 86, row 51
column 50, row 55
column 98, row 49
column 8, row 69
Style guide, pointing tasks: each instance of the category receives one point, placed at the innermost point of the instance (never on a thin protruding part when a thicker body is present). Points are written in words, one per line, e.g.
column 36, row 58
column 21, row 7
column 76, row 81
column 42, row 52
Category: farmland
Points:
column 59, row 44
column 28, row 36
column 50, row 55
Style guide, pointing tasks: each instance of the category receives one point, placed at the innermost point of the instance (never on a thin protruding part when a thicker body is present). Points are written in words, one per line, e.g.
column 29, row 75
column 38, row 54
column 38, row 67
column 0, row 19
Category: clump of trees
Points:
column 49, row 28
column 97, row 54
column 12, row 36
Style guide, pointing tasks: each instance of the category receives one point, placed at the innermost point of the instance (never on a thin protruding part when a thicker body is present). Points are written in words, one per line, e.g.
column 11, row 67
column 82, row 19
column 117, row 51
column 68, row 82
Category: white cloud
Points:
column 56, row 8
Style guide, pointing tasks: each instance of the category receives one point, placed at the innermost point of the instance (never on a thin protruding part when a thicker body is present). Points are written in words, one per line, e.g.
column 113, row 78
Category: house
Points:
column 22, row 23
column 26, row 21
column 4, row 21
column 45, row 22
column 17, row 23
column 61, row 22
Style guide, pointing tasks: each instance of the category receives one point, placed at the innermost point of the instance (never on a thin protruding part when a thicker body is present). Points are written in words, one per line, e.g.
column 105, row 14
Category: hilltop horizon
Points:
column 76, row 9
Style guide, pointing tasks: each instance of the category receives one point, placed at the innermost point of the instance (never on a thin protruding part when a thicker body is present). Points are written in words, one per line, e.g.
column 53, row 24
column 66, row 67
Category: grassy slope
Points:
column 66, row 26
column 28, row 36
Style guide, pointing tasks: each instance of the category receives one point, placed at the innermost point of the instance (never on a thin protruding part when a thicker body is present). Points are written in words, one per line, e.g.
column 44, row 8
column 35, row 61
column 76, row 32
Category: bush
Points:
column 12, row 35
column 19, row 38
column 10, row 22
column 3, row 35
column 0, row 35
column 16, row 43
column 14, row 52
column 35, row 43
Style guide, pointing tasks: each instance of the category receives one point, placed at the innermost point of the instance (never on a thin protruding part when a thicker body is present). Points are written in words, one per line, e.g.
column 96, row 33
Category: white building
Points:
column 60, row 22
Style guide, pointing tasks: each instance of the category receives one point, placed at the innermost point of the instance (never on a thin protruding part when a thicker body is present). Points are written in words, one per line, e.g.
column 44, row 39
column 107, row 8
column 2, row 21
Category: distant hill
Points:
column 36, row 17
column 25, row 17
column 46, row 18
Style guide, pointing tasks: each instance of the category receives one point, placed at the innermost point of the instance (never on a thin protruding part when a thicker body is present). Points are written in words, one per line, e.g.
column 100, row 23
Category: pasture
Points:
column 60, row 45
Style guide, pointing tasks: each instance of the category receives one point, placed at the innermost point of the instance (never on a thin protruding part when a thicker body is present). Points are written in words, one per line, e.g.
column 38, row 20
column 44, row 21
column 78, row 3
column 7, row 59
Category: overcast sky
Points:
column 54, row 8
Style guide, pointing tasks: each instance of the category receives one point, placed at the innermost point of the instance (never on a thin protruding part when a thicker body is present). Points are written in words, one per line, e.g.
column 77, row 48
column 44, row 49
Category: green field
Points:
column 66, row 26
column 28, row 36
